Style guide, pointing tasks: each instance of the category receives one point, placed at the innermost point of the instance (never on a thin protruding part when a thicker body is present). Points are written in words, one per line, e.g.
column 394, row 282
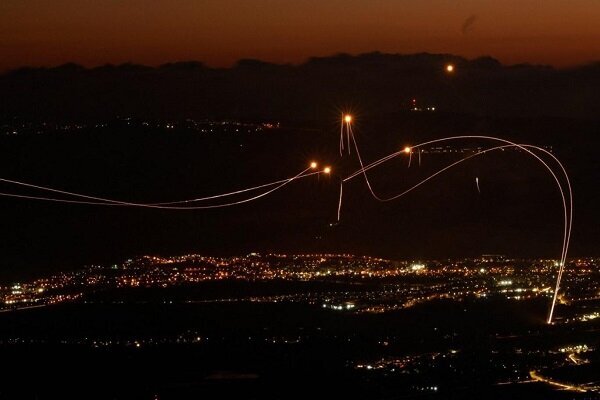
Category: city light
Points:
column 347, row 141
column 450, row 68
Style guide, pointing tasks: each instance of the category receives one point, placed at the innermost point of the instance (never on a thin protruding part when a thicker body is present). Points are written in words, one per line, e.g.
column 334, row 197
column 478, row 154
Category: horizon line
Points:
column 308, row 60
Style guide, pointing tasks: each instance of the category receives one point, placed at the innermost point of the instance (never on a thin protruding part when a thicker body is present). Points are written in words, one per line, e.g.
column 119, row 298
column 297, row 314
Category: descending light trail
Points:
column 342, row 135
column 347, row 140
column 345, row 130
column 567, row 209
column 339, row 211
column 99, row 201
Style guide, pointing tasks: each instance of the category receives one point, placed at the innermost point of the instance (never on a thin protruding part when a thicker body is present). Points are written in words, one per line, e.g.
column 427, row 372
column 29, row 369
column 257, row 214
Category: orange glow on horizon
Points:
column 562, row 33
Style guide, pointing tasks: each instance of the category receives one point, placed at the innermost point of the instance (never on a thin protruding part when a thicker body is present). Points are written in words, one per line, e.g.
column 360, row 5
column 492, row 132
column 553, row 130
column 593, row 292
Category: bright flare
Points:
column 348, row 118
column 449, row 68
column 313, row 165
column 407, row 150
column 327, row 170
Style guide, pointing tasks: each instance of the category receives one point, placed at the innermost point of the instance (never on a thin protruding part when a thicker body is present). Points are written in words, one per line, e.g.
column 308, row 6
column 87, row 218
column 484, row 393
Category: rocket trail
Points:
column 99, row 201
column 347, row 138
column 106, row 200
column 342, row 136
column 339, row 211
column 349, row 134
column 567, row 210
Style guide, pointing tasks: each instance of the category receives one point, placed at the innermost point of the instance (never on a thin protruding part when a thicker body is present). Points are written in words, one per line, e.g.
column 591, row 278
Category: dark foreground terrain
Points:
column 177, row 350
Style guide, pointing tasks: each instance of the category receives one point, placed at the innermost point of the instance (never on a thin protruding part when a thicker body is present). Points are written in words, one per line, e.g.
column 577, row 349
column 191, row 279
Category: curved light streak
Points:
column 99, row 201
column 567, row 211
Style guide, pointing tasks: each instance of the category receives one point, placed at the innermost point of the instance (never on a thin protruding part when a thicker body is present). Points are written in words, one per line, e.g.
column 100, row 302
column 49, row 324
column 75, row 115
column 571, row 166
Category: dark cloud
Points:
column 467, row 26
column 375, row 82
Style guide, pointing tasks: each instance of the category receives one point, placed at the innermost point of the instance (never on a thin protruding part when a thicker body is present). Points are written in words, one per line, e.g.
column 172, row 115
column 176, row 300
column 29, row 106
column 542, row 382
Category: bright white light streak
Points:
column 339, row 211
column 395, row 154
column 568, row 211
column 342, row 135
column 349, row 134
column 99, row 201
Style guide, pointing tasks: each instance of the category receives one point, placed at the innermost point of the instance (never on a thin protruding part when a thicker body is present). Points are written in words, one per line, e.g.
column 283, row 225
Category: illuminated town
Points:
column 381, row 285
column 17, row 127
column 346, row 285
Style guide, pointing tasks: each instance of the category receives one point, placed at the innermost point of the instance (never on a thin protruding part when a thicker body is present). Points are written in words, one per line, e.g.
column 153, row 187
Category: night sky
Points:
column 219, row 32
column 395, row 185
column 514, row 215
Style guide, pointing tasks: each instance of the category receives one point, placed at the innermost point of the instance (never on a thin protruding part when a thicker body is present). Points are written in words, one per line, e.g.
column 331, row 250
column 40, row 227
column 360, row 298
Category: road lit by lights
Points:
column 536, row 376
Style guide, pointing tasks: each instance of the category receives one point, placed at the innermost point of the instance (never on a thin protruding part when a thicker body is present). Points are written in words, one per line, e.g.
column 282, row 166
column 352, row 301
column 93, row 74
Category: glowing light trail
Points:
column 568, row 219
column 568, row 210
column 99, row 201
column 339, row 211
column 342, row 135
column 345, row 130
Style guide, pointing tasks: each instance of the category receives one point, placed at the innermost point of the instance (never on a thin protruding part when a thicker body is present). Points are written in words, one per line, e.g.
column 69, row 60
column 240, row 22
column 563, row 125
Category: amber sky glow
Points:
column 219, row 32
